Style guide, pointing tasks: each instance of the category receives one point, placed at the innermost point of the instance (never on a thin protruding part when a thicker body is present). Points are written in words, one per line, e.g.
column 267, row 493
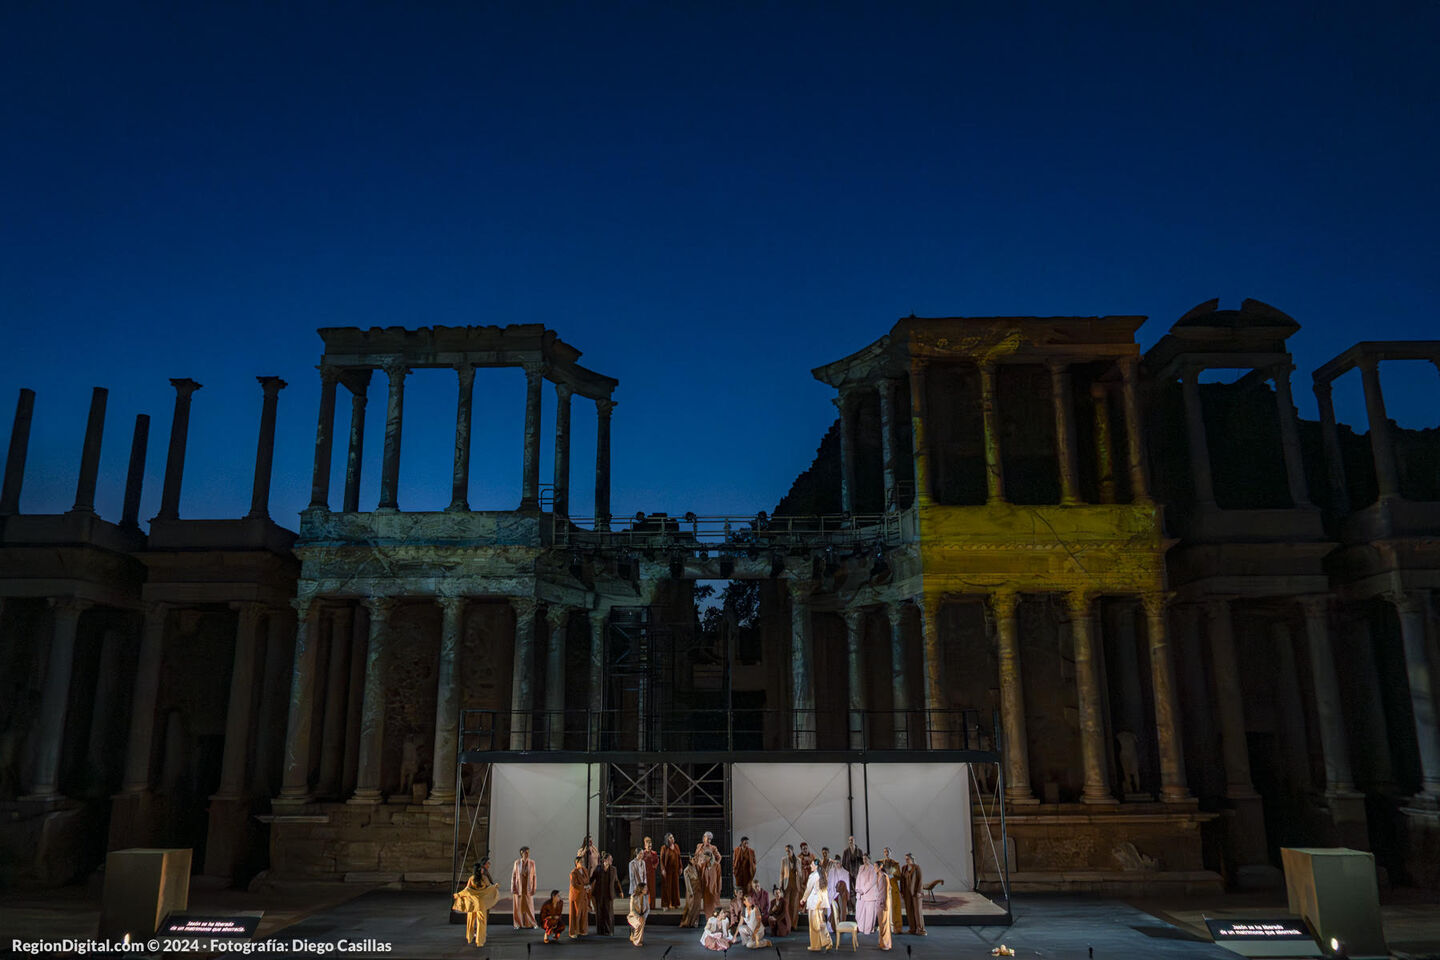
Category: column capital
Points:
column 329, row 374
column 271, row 385
column 524, row 606
column 599, row 616
column 465, row 372
column 1190, row 372
column 854, row 617
column 1323, row 388
column 1409, row 602
column 357, row 381
column 604, row 407
column 800, row 590
column 563, row 390
column 1216, row 607
column 69, row 606
column 184, row 386
column 1080, row 603
column 156, row 608
column 1367, row 364
column 557, row 615
column 1128, row 364
column 895, row 612
column 380, row 607
column 304, row 605
column 252, row 609
column 1280, row 368
column 1004, row 602
column 1155, row 602
column 396, row 369
column 535, row 369
column 455, row 604
column 1315, row 604
column 1058, row 365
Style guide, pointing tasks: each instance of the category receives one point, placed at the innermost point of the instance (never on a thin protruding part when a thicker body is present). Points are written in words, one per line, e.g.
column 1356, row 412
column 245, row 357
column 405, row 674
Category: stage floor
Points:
column 947, row 909
column 1056, row 928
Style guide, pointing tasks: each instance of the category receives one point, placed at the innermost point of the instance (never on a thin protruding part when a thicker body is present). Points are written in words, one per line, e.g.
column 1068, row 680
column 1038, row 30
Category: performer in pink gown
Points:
column 871, row 896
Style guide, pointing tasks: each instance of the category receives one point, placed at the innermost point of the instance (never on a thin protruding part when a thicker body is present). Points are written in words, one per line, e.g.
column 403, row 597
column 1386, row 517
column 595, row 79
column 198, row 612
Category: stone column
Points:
column 530, row 484
column 522, row 695
column 802, row 689
column 1334, row 459
column 1087, row 684
column 50, row 731
column 278, row 664
column 918, row 450
column 1065, row 442
column 460, row 482
column 1134, row 429
column 1290, row 708
column 1382, row 445
column 1195, row 433
column 887, row 442
column 295, row 783
column 142, row 702
column 354, row 703
column 372, row 712
column 1167, row 706
column 1003, row 604
column 324, row 442
column 937, row 721
column 844, row 404
column 1104, row 446
column 447, row 702
column 90, row 452
column 15, row 457
column 1333, row 738
column 175, row 460
column 901, row 689
column 603, row 410
column 994, row 468
column 337, row 688
column 359, row 382
column 557, row 618
column 238, row 719
column 561, row 506
column 1290, row 437
column 1229, row 700
column 855, row 640
column 599, row 619
column 135, row 475
column 395, row 371
column 265, row 448
column 1411, row 606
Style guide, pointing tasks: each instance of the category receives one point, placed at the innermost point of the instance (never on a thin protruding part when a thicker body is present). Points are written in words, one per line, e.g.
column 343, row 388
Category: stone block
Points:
column 142, row 886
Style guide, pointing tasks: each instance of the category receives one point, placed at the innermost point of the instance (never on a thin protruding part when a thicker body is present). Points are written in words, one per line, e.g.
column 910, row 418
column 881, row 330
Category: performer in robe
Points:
column 752, row 926
column 716, row 935
column 604, row 891
column 589, row 853
column 652, row 869
column 890, row 867
column 790, row 885
column 851, row 858
column 834, row 875
column 778, row 920
column 639, row 912
column 742, row 866
column 707, row 845
column 710, row 882
column 690, row 917
column 869, row 896
column 475, row 900
column 889, row 909
column 637, row 870
column 671, row 867
column 734, row 910
column 522, row 890
column 816, row 904
column 762, row 899
column 806, row 859
column 579, row 900
column 552, row 917
column 913, row 893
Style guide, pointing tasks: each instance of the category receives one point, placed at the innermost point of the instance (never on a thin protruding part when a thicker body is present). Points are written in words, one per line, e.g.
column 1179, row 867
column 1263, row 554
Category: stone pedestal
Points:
column 142, row 886
column 1335, row 890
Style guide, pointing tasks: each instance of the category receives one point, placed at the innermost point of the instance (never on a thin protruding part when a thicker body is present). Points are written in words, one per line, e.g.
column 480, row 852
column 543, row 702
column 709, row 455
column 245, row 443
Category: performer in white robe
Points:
column 817, row 905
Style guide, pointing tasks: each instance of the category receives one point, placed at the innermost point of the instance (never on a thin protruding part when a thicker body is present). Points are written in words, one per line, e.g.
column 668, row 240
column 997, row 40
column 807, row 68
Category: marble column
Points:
column 558, row 620
column 90, row 452
column 15, row 457
column 994, row 467
column 139, row 746
column 175, row 460
column 354, row 702
column 359, row 382
column 937, row 719
column 1003, row 604
column 447, row 702
column 324, row 441
column 460, row 480
column 337, row 689
column 295, row 782
column 522, row 676
column 599, row 620
column 372, row 711
column 273, row 699
column 1334, row 459
column 1167, row 706
column 1382, row 444
column 54, row 703
column 1334, row 741
column 1134, row 429
column 265, row 448
column 238, row 715
column 1229, row 700
column 530, row 482
column 1195, row 434
column 561, row 507
column 845, row 405
column 603, row 409
column 855, row 641
column 899, row 686
column 918, row 450
column 1104, row 446
column 395, row 372
column 1065, row 442
column 802, row 689
column 1087, row 685
column 1412, row 606
column 887, row 442
column 1290, row 437
column 135, row 475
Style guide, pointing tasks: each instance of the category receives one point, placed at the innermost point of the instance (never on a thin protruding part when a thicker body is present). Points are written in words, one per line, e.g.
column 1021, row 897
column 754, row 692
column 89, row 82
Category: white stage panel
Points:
column 924, row 809
column 779, row 803
column 542, row 806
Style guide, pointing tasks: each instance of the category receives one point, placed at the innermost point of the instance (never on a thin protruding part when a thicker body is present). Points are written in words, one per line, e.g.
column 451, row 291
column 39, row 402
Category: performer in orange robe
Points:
column 579, row 900
column 912, row 892
column 790, row 886
column 552, row 916
column 709, row 870
column 671, row 866
column 743, row 866
column 522, row 890
column 652, row 869
column 806, row 858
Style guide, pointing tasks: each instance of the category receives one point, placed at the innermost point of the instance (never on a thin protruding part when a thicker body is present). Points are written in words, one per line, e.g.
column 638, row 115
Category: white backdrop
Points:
column 779, row 803
column 542, row 806
column 924, row 809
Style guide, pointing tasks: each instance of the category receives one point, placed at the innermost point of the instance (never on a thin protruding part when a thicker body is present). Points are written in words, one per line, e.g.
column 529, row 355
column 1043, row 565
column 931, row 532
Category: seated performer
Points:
column 639, row 912
column 752, row 930
column 475, row 900
column 816, row 907
column 552, row 916
column 717, row 932
column 778, row 921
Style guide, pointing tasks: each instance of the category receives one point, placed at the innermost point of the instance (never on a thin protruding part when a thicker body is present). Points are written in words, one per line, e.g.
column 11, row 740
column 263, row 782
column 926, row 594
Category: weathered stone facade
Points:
column 1202, row 638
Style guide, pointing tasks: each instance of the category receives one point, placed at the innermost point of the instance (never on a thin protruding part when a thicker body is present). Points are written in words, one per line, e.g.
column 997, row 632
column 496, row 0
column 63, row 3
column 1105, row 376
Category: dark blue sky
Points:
column 706, row 199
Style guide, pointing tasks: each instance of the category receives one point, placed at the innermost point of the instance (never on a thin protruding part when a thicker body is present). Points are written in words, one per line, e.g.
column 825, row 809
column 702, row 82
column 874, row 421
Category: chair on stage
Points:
column 850, row 927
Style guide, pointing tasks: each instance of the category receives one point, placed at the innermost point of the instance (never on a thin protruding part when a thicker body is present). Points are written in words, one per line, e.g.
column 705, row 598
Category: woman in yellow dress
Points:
column 886, row 921
column 475, row 900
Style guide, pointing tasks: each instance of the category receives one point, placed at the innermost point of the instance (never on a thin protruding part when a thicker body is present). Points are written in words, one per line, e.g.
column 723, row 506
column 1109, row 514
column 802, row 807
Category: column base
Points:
column 529, row 503
column 1022, row 799
column 1098, row 800
column 458, row 507
column 392, row 508
column 438, row 798
column 366, row 797
column 293, row 799
column 1175, row 795
column 43, row 796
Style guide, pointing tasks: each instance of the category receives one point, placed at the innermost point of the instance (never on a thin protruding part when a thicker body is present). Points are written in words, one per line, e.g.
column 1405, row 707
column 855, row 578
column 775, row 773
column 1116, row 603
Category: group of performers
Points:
column 826, row 888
